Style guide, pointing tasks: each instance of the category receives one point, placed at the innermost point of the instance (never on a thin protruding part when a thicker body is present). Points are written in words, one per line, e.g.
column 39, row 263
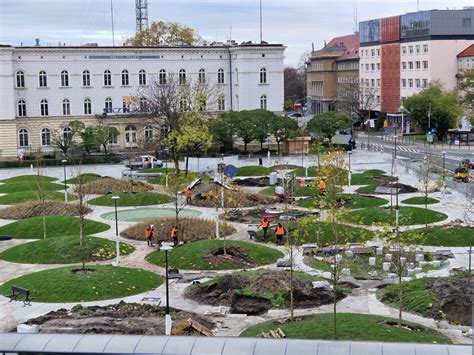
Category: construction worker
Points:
column 174, row 235
column 302, row 183
column 279, row 233
column 322, row 187
column 148, row 236
column 188, row 193
column 264, row 224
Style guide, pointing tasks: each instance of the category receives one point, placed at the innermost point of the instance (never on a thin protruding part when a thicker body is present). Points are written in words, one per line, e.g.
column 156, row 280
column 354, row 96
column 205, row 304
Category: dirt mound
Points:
column 234, row 255
column 255, row 292
column 121, row 318
column 256, row 215
column 38, row 208
column 110, row 185
column 258, row 182
column 190, row 229
column 233, row 199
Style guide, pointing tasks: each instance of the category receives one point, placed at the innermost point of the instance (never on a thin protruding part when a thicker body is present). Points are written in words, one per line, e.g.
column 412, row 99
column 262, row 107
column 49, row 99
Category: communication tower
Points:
column 141, row 11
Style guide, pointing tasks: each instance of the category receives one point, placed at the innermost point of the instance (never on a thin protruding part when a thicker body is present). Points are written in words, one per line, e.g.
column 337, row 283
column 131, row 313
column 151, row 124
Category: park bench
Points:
column 18, row 291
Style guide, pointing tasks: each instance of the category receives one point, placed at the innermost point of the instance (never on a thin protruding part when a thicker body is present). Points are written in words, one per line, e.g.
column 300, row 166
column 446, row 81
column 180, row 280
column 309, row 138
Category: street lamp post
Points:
column 167, row 248
column 64, row 161
column 350, row 171
column 444, row 171
column 117, row 246
column 402, row 110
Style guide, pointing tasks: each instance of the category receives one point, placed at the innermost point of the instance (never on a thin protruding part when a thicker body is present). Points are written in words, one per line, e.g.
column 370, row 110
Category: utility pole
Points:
column 261, row 36
column 429, row 118
column 112, row 16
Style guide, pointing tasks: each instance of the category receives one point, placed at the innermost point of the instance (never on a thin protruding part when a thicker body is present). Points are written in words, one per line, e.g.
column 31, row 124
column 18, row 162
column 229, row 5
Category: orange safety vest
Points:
column 148, row 232
column 264, row 224
column 187, row 192
column 302, row 183
column 322, row 185
column 280, row 231
column 174, row 232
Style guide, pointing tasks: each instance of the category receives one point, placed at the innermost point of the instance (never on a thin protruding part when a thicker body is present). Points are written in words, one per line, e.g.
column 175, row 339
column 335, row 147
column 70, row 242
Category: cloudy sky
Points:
column 295, row 23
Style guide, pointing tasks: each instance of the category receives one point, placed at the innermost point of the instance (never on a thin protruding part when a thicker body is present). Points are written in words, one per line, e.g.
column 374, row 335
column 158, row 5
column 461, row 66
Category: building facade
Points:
column 44, row 88
column 331, row 71
column 402, row 55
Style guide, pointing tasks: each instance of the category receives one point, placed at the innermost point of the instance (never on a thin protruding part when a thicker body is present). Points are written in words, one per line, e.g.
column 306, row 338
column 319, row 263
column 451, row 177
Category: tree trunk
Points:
column 400, row 292
column 81, row 236
column 105, row 148
column 187, row 164
column 44, row 227
column 426, row 205
column 245, row 146
column 261, row 146
column 278, row 147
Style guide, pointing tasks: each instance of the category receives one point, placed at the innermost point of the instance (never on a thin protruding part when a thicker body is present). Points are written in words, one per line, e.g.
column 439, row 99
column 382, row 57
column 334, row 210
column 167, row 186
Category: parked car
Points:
column 294, row 114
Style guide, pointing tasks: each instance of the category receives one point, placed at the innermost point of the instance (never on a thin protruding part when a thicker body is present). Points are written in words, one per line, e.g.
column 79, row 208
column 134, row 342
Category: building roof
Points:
column 349, row 44
column 468, row 52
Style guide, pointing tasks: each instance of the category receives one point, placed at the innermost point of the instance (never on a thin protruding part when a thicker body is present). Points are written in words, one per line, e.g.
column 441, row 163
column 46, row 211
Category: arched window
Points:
column 67, row 133
column 182, row 77
column 220, row 76
column 263, row 102
column 130, row 135
column 142, row 77
column 202, row 76
column 107, row 78
column 21, row 106
column 20, row 79
column 86, row 78
column 66, row 107
column 148, row 133
column 87, row 107
column 143, row 104
column 221, row 103
column 42, row 79
column 45, row 137
column 44, row 107
column 162, row 77
column 263, row 76
column 23, row 139
column 125, row 81
column 108, row 105
column 64, row 78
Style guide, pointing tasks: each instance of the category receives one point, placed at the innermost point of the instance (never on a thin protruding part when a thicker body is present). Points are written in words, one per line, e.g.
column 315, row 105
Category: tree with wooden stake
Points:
column 40, row 181
column 427, row 181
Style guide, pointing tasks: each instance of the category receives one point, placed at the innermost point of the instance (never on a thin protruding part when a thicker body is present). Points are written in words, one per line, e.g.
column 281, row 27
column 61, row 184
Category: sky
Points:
column 295, row 23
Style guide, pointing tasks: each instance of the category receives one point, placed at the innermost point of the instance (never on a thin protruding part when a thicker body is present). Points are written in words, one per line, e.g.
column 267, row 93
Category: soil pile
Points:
column 121, row 318
column 255, row 292
column 235, row 255
column 256, row 215
column 110, row 185
column 233, row 199
column 38, row 208
column 252, row 182
column 190, row 229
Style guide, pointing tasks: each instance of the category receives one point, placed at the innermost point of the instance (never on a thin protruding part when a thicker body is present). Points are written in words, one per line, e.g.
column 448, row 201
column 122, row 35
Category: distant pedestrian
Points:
column 174, row 235
column 279, row 233
column 260, row 162
column 152, row 234
column 188, row 193
column 322, row 187
column 148, row 236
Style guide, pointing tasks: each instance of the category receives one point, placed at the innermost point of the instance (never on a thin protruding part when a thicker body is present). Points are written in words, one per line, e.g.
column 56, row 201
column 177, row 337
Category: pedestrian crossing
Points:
column 418, row 151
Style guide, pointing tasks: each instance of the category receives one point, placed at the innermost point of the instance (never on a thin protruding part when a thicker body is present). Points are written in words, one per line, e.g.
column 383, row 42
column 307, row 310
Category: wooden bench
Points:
column 18, row 291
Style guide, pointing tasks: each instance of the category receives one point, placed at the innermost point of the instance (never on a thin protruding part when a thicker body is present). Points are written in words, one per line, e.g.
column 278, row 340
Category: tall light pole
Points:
column 444, row 171
column 402, row 110
column 429, row 118
column 167, row 248
column 64, row 161
column 350, row 171
column 117, row 246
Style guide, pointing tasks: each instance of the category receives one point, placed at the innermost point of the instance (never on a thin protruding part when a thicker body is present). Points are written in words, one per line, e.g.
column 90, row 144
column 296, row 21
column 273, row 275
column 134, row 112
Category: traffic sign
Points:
column 230, row 171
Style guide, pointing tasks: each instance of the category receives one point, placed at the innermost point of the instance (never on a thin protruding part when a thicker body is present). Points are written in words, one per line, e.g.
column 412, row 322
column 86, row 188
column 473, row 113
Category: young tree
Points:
column 40, row 182
column 427, row 181
column 355, row 100
column 262, row 121
column 103, row 136
column 243, row 127
column 436, row 108
column 294, row 85
column 283, row 128
column 326, row 124
column 64, row 137
column 466, row 87
column 161, row 33
column 222, row 131
column 88, row 141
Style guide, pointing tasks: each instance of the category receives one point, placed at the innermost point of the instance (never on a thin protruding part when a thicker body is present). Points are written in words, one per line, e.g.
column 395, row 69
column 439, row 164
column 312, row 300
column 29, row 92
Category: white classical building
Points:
column 43, row 88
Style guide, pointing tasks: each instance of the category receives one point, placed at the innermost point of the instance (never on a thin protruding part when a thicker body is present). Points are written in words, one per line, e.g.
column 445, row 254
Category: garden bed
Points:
column 233, row 199
column 38, row 208
column 109, row 185
column 132, row 199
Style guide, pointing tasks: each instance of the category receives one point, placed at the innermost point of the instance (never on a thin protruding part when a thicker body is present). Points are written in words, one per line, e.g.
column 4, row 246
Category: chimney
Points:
column 37, row 42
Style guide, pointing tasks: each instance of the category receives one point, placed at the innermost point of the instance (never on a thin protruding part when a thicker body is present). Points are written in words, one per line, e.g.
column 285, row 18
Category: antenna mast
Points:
column 417, row 5
column 112, row 17
column 141, row 11
column 261, row 40
column 356, row 27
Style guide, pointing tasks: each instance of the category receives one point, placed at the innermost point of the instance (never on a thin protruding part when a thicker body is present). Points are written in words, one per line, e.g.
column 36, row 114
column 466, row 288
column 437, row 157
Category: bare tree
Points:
column 64, row 137
column 427, row 181
column 356, row 100
column 40, row 182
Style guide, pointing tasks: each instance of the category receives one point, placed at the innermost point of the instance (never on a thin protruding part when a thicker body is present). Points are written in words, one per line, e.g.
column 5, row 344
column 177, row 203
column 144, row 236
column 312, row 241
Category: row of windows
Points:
column 125, row 78
column 370, row 83
column 372, row 67
column 370, row 53
column 466, row 63
column 417, row 65
column 417, row 49
column 417, row 83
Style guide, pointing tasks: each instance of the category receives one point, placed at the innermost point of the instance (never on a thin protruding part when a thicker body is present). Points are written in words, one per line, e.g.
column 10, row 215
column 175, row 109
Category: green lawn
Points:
column 28, row 196
column 442, row 236
column 416, row 295
column 321, row 233
column 316, row 264
column 254, row 171
column 29, row 185
column 183, row 180
column 86, row 178
column 56, row 226
column 350, row 326
column 420, row 200
column 192, row 256
column 29, row 178
column 136, row 199
column 64, row 250
column 408, row 216
column 353, row 201
column 106, row 282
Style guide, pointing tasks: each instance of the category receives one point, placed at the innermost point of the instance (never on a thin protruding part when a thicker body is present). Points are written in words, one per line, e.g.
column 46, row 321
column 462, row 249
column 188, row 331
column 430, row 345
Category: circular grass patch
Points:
column 38, row 208
column 83, row 178
column 254, row 171
column 351, row 326
column 105, row 282
column 34, row 178
column 420, row 200
column 14, row 198
column 200, row 255
column 444, row 236
column 135, row 199
column 141, row 214
column 29, row 185
column 351, row 201
column 109, row 185
column 64, row 250
column 408, row 216
column 56, row 226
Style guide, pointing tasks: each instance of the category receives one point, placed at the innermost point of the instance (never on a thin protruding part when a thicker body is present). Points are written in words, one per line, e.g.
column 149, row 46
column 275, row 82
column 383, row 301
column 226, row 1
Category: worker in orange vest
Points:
column 264, row 224
column 322, row 187
column 279, row 233
column 148, row 235
column 174, row 235
column 302, row 183
column 188, row 193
